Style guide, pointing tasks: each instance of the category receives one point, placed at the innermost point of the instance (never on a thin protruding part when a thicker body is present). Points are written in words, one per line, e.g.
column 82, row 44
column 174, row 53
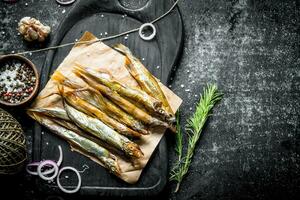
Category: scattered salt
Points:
column 102, row 15
column 66, row 176
column 157, row 67
column 76, row 40
column 26, row 4
column 182, row 85
column 196, row 95
column 101, row 34
column 12, row 51
column 125, row 37
column 187, row 90
column 30, row 53
column 3, row 32
column 188, row 71
column 105, row 33
column 170, row 86
column 191, row 108
column 64, row 10
column 47, row 143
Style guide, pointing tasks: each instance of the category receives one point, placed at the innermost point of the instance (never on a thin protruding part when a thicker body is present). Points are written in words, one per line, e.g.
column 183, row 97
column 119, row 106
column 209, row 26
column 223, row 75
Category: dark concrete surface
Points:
column 250, row 49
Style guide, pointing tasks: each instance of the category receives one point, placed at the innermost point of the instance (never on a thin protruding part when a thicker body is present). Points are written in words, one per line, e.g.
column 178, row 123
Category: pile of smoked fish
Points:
column 106, row 117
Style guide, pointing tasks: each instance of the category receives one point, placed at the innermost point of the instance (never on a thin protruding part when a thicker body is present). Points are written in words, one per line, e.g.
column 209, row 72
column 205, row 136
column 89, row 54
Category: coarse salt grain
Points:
column 64, row 10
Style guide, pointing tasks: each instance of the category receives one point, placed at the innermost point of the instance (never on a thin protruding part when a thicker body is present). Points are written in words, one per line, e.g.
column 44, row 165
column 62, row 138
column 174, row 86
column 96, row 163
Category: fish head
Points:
column 133, row 150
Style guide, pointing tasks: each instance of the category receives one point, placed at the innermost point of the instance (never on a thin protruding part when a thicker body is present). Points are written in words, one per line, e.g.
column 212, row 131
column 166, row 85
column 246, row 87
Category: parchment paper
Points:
column 101, row 57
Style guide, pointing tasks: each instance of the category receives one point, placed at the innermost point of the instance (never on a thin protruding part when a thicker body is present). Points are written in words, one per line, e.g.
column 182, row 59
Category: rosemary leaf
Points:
column 194, row 128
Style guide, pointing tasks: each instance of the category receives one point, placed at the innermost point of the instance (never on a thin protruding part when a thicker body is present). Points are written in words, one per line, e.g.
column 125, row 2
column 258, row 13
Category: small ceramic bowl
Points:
column 21, row 59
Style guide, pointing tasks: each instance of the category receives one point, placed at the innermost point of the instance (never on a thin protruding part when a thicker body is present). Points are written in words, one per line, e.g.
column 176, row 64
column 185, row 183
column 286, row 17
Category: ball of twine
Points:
column 12, row 144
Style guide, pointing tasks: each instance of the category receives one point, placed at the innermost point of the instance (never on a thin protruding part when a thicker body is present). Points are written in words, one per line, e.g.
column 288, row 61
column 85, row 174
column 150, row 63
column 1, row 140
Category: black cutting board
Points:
column 159, row 56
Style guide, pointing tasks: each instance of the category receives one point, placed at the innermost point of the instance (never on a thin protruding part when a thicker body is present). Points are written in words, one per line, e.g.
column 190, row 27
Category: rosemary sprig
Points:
column 194, row 128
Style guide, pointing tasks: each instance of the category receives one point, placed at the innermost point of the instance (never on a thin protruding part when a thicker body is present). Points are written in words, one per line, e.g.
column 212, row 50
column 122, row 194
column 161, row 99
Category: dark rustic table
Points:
column 250, row 148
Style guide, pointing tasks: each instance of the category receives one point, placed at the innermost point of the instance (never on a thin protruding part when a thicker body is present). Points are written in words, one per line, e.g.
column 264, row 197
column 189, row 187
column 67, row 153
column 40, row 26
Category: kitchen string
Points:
column 100, row 39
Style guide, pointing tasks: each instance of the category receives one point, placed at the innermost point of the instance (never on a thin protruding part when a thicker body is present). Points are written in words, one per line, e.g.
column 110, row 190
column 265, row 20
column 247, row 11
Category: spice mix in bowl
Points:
column 19, row 80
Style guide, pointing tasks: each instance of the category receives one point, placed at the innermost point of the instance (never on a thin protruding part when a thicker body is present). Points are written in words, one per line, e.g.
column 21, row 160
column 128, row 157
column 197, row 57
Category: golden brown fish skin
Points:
column 87, row 146
column 103, row 104
column 98, row 129
column 51, row 112
column 61, row 79
column 138, row 96
column 91, row 110
column 123, row 103
column 144, row 78
column 96, row 99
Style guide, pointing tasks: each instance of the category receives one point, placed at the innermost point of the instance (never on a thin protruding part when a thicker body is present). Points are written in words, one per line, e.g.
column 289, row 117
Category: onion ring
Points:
column 143, row 26
column 66, row 2
column 44, row 163
column 60, row 159
column 36, row 164
column 79, row 180
column 50, row 171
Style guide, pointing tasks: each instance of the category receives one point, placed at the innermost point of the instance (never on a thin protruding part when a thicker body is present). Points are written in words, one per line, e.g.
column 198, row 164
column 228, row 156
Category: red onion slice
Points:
column 60, row 159
column 49, row 171
column 79, row 180
column 47, row 163
column 36, row 164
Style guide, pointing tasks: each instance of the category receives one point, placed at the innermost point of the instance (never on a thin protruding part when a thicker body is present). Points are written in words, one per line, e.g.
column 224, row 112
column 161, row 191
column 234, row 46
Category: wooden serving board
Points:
column 111, row 16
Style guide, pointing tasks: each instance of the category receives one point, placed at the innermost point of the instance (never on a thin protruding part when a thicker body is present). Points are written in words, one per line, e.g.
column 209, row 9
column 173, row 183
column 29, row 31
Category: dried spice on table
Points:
column 17, row 81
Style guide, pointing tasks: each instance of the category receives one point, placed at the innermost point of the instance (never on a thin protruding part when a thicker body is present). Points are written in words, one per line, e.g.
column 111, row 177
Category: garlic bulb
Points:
column 32, row 29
